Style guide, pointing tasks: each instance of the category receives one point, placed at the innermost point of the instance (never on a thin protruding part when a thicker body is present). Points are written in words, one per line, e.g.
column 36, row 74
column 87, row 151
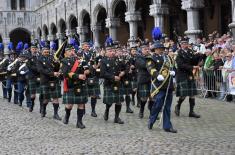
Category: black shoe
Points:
column 177, row 110
column 93, row 114
column 150, row 126
column 65, row 120
column 141, row 115
column 20, row 104
column 128, row 110
column 118, row 120
column 106, row 115
column 80, row 125
column 43, row 114
column 193, row 114
column 171, row 130
column 30, row 109
column 57, row 117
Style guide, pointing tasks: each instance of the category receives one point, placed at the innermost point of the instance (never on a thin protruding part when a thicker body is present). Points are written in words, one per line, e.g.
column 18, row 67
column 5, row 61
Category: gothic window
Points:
column 22, row 4
column 13, row 4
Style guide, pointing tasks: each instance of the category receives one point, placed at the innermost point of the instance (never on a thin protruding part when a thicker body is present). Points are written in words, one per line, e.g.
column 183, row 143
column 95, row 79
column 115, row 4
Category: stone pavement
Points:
column 26, row 133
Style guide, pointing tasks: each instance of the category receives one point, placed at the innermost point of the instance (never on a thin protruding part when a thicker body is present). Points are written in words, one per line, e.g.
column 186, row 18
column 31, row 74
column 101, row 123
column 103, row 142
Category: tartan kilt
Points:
column 93, row 90
column 143, row 90
column 34, row 86
column 134, row 85
column 70, row 97
column 110, row 96
column 126, row 89
column 48, row 94
column 186, row 88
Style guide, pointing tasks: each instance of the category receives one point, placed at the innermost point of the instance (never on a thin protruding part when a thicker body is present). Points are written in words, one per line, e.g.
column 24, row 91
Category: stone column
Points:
column 60, row 37
column 158, row 10
column 96, row 35
column 69, row 34
column 51, row 38
column 112, row 24
column 82, row 31
column 132, row 18
column 232, row 25
column 5, row 42
column 192, row 7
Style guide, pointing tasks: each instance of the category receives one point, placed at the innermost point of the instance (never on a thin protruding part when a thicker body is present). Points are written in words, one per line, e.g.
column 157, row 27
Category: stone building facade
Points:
column 123, row 20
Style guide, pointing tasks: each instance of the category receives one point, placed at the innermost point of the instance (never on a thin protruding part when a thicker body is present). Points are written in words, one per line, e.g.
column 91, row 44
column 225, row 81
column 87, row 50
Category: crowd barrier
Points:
column 216, row 83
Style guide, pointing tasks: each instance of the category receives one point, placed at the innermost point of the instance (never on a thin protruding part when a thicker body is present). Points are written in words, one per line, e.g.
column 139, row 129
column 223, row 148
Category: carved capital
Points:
column 112, row 22
column 192, row 4
column 133, row 16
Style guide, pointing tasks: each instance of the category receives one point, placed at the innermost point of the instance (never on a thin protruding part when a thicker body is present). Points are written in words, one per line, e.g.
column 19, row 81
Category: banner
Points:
column 231, row 84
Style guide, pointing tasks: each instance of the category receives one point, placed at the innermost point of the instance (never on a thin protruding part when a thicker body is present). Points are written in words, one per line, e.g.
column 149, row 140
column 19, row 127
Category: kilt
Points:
column 143, row 90
column 134, row 85
column 110, row 96
column 126, row 89
column 70, row 97
column 48, row 94
column 93, row 90
column 34, row 86
column 186, row 88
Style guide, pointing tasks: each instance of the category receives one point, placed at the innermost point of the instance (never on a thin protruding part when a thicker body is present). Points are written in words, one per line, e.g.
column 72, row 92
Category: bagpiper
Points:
column 109, row 71
column 75, row 87
column 160, row 68
column 186, row 62
column 49, row 81
column 3, row 73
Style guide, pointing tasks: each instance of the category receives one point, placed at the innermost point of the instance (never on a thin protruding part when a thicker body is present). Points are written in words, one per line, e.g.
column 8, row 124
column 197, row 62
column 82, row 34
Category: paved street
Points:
column 27, row 133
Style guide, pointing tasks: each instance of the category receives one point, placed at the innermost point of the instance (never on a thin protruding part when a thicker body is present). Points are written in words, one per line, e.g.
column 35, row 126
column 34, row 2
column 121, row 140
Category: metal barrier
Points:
column 212, row 82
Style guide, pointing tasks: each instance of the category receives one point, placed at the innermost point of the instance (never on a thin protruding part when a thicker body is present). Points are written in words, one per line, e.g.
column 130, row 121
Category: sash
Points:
column 156, row 89
column 73, row 70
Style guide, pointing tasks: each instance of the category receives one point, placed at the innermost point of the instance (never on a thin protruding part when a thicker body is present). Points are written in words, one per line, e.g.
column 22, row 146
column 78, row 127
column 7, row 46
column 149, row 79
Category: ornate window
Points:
column 13, row 4
column 22, row 4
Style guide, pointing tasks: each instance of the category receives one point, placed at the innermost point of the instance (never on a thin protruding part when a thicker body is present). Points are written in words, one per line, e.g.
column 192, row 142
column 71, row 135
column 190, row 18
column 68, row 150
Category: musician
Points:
column 143, row 80
column 186, row 85
column 11, row 75
column 123, row 63
column 160, row 68
column 3, row 61
column 49, row 81
column 112, row 91
column 93, row 86
column 75, row 88
column 34, row 75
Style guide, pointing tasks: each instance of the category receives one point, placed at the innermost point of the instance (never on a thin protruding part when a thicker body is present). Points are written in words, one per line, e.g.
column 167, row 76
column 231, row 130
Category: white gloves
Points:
column 172, row 73
column 160, row 78
column 9, row 68
column 22, row 72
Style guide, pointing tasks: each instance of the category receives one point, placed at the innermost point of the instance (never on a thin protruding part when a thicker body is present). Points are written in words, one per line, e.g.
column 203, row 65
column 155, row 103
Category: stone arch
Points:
column 85, row 22
column 62, row 25
column 100, row 20
column 53, row 29
column 45, row 31
column 114, row 4
column 0, row 38
column 82, row 15
column 39, row 33
column 72, row 22
column 20, row 34
column 96, row 12
column 147, row 23
column 119, row 10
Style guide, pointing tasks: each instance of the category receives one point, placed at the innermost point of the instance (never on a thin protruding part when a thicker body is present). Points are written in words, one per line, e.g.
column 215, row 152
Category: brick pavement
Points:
column 25, row 133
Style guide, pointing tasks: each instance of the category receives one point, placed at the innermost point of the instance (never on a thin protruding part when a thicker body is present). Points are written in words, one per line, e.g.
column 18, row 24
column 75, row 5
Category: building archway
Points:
column 119, row 12
column 0, row 38
column 146, row 25
column 53, row 29
column 39, row 33
column 101, row 18
column 20, row 34
column 86, row 22
column 45, row 32
column 62, row 26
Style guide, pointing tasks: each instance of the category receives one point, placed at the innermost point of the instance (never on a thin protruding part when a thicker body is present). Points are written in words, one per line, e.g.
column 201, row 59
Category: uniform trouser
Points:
column 157, row 106
column 21, row 90
column 9, row 90
column 4, row 89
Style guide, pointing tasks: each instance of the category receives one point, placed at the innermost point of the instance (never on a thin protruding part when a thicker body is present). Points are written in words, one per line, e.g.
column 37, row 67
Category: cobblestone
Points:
column 26, row 133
